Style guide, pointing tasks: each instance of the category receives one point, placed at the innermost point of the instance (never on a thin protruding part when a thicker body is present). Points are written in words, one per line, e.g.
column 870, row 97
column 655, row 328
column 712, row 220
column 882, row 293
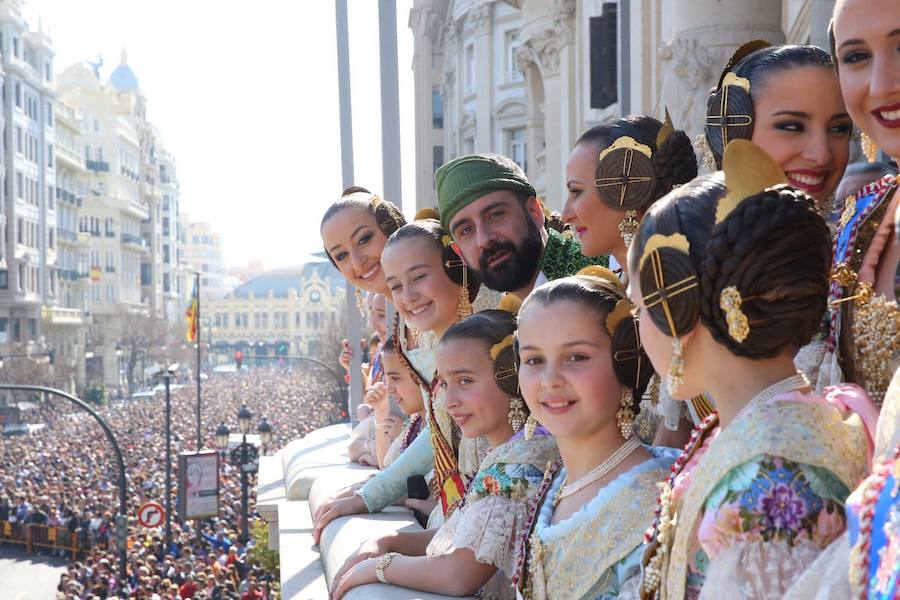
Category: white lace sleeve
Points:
column 489, row 527
column 393, row 450
column 757, row 570
column 828, row 577
column 670, row 410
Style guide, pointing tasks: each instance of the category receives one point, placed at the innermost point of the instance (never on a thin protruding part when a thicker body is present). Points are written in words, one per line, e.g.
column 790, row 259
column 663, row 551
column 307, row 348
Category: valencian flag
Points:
column 191, row 314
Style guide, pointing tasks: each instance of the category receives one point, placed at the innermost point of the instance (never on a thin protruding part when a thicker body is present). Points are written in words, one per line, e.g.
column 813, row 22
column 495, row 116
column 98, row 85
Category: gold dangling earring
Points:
column 869, row 147
column 360, row 304
column 675, row 376
column 464, row 306
column 628, row 227
column 516, row 416
column 625, row 416
column 531, row 425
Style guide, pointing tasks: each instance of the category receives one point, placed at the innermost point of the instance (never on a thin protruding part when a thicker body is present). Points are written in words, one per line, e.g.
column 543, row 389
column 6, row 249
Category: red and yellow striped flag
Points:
column 191, row 315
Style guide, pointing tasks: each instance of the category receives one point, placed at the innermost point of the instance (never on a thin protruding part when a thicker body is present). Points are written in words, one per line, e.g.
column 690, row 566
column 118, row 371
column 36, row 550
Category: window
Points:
column 518, row 147
column 604, row 58
column 20, row 186
column 4, row 284
column 512, row 46
column 437, row 157
column 19, row 139
column 50, row 155
column 470, row 69
column 437, row 108
column 16, row 47
column 18, row 94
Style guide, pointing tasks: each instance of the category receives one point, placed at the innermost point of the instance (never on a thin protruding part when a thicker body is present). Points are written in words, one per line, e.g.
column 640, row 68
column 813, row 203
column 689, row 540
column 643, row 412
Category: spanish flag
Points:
column 192, row 313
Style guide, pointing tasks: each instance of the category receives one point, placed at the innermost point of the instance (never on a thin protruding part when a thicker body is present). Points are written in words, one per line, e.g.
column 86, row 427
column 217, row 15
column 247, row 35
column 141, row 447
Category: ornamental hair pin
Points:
column 742, row 52
column 749, row 170
column 738, row 325
column 427, row 213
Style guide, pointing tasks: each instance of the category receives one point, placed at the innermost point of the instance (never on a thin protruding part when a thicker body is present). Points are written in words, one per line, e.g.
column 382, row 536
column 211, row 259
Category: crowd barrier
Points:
column 292, row 484
column 33, row 537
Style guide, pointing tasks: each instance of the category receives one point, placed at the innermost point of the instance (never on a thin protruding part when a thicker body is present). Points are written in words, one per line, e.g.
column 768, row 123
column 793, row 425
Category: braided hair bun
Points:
column 640, row 160
column 495, row 328
column 773, row 248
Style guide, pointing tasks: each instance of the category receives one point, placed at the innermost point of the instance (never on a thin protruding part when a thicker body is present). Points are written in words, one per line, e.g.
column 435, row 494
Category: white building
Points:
column 28, row 241
column 582, row 62
column 203, row 254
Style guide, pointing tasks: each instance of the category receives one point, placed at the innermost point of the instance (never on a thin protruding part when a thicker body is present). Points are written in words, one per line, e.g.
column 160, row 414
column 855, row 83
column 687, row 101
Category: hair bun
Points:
column 626, row 179
column 674, row 162
column 729, row 116
column 630, row 362
column 671, row 294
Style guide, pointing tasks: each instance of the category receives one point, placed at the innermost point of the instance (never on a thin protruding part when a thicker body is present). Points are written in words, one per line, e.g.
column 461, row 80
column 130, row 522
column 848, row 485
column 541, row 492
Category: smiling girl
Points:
column 431, row 290
column 730, row 278
column 474, row 549
column 765, row 95
column 582, row 372
column 354, row 231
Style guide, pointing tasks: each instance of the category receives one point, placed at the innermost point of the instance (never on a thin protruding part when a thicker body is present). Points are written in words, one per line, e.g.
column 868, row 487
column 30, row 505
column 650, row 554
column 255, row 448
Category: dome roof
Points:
column 123, row 79
column 279, row 281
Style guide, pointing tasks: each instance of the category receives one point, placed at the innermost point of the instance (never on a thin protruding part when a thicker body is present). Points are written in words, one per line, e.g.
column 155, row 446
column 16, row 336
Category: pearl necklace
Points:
column 795, row 382
column 600, row 470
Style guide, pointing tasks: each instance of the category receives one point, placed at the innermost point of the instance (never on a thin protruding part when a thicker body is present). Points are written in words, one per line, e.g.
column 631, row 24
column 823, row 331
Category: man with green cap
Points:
column 497, row 224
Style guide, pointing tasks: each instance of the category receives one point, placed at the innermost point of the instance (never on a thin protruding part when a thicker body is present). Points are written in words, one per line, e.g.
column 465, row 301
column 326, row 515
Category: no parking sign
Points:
column 151, row 514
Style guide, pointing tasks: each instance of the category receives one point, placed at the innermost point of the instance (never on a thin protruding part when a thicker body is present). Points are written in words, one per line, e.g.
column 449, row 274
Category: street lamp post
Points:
column 244, row 457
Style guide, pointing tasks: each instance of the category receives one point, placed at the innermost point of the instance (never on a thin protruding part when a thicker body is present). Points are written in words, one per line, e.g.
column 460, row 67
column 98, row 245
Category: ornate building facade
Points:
column 295, row 311
column 526, row 77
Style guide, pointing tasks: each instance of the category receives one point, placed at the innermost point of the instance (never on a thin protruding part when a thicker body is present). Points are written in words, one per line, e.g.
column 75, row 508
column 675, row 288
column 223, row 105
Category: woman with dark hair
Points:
column 582, row 372
column 615, row 172
column 431, row 289
column 865, row 328
column 474, row 550
column 786, row 99
column 354, row 231
column 730, row 278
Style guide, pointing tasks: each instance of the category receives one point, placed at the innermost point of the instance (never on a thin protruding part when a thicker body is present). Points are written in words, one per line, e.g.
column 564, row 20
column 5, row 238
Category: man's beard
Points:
column 518, row 269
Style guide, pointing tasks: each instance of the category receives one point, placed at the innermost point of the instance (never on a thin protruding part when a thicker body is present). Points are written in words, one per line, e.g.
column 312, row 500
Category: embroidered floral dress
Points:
column 594, row 552
column 496, row 509
column 761, row 499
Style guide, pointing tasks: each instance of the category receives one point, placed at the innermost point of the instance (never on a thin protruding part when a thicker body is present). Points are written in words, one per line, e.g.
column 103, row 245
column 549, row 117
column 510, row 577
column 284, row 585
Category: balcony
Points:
column 56, row 315
column 98, row 166
column 134, row 240
column 67, row 235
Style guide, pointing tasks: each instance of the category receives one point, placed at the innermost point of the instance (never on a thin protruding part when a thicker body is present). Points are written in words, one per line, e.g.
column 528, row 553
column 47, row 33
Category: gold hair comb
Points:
column 666, row 130
column 658, row 241
column 601, row 273
column 497, row 348
column 626, row 142
column 510, row 304
column 748, row 171
column 622, row 311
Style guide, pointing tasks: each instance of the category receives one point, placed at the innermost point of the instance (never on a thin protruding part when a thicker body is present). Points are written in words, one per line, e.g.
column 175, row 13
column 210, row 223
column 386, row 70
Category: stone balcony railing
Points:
column 292, row 484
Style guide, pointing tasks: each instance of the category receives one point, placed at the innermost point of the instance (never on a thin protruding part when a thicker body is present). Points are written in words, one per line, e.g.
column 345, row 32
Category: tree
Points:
column 142, row 339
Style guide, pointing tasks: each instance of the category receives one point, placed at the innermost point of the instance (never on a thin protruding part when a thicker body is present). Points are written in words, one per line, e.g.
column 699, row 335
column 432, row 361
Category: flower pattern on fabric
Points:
column 508, row 480
column 769, row 499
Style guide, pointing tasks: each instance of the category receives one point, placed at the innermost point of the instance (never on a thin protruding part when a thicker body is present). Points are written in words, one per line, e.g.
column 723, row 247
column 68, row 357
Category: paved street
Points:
column 28, row 577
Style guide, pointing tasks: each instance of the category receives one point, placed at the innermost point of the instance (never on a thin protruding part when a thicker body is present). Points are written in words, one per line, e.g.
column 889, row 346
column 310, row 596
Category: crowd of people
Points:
column 65, row 475
column 689, row 388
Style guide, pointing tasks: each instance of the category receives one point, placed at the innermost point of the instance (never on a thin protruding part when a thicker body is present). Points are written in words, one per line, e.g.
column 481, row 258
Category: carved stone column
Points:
column 480, row 23
column 705, row 33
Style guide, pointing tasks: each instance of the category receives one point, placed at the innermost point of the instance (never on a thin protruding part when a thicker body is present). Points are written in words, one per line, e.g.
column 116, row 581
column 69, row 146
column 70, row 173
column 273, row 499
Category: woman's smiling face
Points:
column 355, row 242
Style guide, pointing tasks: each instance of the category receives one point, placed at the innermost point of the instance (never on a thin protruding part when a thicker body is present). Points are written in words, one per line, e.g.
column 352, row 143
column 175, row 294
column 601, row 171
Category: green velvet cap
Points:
column 465, row 179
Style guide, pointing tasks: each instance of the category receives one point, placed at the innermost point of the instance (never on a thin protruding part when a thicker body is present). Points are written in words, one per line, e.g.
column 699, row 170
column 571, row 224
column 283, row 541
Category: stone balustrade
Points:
column 292, row 484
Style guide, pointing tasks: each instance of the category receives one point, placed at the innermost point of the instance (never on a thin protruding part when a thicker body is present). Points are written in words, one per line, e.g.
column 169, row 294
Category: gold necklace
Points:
column 624, row 451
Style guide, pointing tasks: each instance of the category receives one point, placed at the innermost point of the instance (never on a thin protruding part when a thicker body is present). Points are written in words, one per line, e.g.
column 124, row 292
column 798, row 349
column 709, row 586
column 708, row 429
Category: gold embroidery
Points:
column 813, row 434
column 580, row 565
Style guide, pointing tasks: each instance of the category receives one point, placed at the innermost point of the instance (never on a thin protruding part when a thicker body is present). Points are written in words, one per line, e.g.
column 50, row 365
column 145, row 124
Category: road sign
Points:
column 151, row 515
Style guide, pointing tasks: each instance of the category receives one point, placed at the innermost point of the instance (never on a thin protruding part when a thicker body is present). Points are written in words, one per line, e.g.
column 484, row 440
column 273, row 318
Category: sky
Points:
column 245, row 97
